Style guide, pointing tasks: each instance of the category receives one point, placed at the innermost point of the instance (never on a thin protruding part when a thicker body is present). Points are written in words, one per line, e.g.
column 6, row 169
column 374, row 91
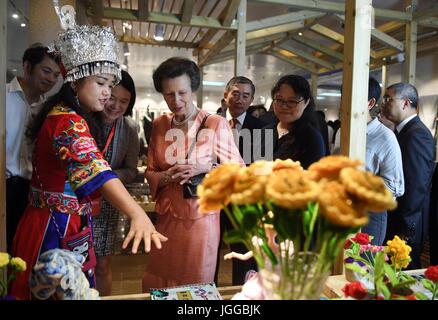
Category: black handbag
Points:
column 189, row 188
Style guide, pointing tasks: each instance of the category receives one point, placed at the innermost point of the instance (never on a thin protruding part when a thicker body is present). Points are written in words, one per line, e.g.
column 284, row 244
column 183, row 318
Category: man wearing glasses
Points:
column 410, row 219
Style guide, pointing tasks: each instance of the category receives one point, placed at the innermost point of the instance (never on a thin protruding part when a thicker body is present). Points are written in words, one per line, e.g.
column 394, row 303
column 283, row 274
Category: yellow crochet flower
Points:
column 399, row 252
column 4, row 259
column 18, row 264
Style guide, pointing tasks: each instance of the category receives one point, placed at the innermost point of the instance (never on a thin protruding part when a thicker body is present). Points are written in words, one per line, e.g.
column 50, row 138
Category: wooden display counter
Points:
column 226, row 292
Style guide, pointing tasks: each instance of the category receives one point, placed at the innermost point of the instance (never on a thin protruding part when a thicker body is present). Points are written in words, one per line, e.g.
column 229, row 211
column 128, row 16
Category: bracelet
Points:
column 166, row 178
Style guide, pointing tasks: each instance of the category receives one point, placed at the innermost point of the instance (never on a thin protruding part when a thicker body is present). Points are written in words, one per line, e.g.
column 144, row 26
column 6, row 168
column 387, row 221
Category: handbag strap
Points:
column 196, row 136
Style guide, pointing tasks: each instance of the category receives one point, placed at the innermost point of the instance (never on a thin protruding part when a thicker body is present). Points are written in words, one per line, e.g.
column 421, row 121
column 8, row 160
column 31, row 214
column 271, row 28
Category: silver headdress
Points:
column 85, row 50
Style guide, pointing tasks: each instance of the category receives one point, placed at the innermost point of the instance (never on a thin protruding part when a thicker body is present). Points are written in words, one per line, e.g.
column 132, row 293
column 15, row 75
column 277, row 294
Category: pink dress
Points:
column 189, row 256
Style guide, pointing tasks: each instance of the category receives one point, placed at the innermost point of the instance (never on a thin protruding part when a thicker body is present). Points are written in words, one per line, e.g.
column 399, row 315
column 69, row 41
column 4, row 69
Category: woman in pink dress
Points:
column 189, row 256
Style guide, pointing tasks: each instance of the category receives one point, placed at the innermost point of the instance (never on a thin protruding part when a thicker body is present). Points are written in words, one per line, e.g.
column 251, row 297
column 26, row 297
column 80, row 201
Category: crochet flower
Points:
column 18, row 264
column 355, row 290
column 432, row 273
column 399, row 252
column 12, row 265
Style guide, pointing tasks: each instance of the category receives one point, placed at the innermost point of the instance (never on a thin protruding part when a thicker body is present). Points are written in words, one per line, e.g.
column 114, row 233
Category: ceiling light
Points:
column 15, row 16
column 159, row 32
column 23, row 25
column 330, row 94
column 300, row 34
column 213, row 83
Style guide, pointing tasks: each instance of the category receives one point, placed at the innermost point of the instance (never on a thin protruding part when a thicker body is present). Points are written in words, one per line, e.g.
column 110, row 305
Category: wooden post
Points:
column 239, row 60
column 411, row 45
column 200, row 92
column 314, row 83
column 358, row 22
column 3, row 46
column 384, row 79
column 358, row 14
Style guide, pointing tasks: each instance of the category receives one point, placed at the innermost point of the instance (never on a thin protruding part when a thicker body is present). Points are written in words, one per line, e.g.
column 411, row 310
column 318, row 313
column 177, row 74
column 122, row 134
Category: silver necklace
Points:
column 180, row 123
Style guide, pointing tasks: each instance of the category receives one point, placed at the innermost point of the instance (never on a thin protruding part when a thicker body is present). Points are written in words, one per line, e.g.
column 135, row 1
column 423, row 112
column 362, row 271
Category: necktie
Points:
column 233, row 123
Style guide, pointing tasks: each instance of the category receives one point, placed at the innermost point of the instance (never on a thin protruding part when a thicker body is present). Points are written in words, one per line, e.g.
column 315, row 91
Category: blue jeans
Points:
column 376, row 227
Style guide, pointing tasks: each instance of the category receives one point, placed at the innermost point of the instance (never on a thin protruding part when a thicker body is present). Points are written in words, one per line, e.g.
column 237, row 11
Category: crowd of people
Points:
column 69, row 157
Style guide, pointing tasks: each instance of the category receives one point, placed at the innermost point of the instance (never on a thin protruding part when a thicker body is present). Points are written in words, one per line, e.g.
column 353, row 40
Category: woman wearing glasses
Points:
column 295, row 135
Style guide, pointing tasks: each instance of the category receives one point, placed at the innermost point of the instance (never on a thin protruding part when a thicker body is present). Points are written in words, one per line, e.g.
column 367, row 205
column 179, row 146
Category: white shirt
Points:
column 240, row 118
column 18, row 116
column 400, row 126
column 383, row 156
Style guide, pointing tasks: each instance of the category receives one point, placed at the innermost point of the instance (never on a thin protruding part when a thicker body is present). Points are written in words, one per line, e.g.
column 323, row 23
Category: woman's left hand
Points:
column 142, row 229
column 186, row 171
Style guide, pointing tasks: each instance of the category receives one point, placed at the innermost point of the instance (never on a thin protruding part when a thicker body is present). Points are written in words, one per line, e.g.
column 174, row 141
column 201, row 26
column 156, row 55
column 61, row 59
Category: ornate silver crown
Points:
column 85, row 50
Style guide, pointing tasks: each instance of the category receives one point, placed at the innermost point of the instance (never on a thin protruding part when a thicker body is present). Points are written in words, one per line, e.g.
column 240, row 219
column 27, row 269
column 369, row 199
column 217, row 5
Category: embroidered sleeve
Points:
column 87, row 171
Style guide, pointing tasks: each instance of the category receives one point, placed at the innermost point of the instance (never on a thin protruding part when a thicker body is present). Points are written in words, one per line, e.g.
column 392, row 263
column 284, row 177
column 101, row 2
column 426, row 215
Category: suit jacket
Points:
column 410, row 218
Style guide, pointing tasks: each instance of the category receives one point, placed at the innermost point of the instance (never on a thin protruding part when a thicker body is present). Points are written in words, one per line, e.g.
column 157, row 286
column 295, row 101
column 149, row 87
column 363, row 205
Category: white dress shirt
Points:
column 383, row 156
column 18, row 116
column 240, row 119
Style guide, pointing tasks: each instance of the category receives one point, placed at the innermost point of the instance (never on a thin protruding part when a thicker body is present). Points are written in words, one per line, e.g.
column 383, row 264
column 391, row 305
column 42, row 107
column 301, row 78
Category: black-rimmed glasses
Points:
column 289, row 103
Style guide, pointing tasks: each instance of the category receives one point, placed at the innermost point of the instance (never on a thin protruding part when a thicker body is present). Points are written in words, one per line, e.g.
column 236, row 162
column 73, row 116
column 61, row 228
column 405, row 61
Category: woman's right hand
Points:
column 142, row 229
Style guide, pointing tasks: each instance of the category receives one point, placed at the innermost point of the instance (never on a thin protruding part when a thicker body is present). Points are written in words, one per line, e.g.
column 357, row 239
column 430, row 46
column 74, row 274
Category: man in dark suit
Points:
column 238, row 95
column 410, row 219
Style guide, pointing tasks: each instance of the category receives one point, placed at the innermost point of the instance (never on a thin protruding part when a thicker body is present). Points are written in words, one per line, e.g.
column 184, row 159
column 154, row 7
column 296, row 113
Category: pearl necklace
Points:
column 180, row 123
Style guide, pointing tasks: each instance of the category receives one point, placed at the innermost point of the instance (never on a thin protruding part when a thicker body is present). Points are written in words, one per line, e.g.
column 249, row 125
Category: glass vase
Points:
column 298, row 277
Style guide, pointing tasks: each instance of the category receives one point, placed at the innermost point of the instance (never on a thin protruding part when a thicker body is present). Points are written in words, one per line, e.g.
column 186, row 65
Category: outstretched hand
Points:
column 142, row 229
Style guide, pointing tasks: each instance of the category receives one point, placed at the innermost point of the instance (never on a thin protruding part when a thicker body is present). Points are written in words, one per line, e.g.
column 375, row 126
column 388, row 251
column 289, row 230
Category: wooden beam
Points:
column 224, row 56
column 262, row 41
column 143, row 10
column 411, row 46
column 387, row 40
column 288, row 59
column 358, row 13
column 381, row 37
column 187, row 11
column 419, row 15
column 164, row 18
column 219, row 45
column 282, row 19
column 430, row 22
column 165, row 43
column 335, row 7
column 319, row 47
column 240, row 42
column 229, row 12
column 226, row 17
column 390, row 26
column 328, row 33
column 274, row 30
column 307, row 56
column 221, row 58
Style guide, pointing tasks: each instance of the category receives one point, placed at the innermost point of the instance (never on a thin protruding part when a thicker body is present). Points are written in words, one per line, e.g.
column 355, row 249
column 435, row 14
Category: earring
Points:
column 77, row 100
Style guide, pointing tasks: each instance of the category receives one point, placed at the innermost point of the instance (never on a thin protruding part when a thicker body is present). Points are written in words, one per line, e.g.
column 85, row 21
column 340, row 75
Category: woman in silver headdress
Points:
column 69, row 171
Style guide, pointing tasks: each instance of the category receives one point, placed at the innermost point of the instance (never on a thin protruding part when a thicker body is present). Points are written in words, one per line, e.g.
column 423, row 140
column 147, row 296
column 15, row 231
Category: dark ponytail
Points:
column 66, row 96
